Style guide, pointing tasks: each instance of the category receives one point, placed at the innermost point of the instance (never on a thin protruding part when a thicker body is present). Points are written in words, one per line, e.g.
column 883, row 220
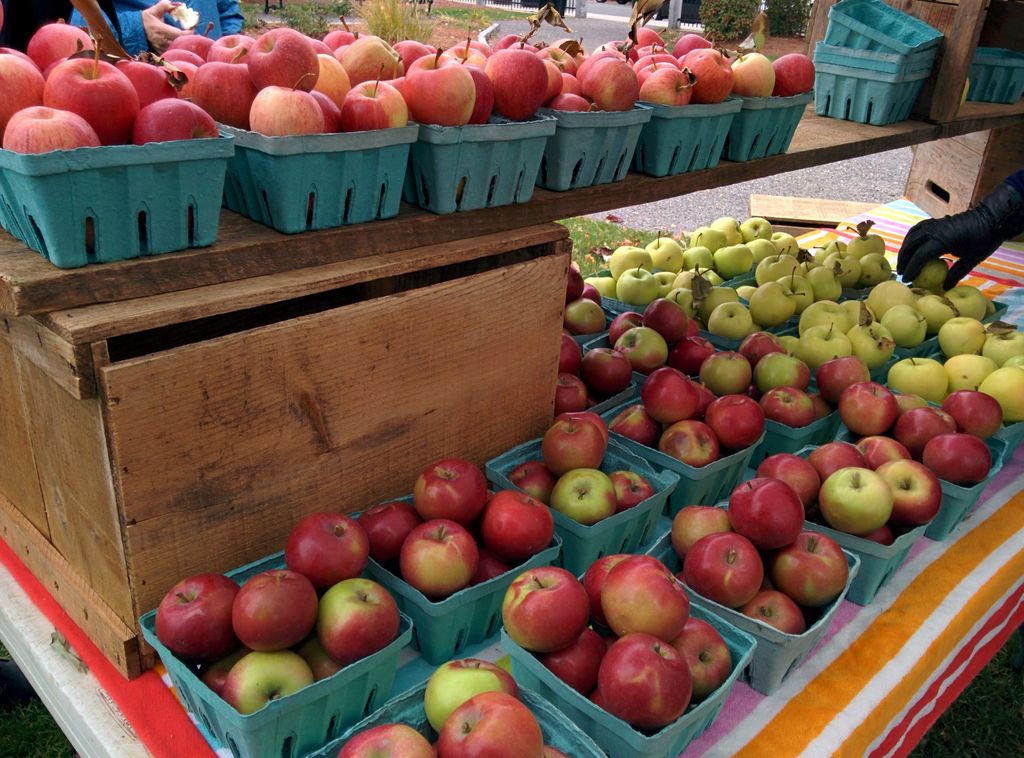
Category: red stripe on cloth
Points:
column 157, row 717
column 1010, row 616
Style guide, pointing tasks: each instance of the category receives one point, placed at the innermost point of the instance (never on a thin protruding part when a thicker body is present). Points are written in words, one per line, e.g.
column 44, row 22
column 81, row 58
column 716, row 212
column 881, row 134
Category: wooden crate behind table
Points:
column 154, row 438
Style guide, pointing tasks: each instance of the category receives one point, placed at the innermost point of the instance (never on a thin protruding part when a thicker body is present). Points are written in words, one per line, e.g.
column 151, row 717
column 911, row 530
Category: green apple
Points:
column 858, row 312
column 937, row 310
column 755, row 228
column 697, row 257
column 770, row 305
column 1014, row 360
column 845, row 267
column 1006, row 385
column 761, row 248
column 865, row 243
column 785, row 243
column 990, row 307
column 932, row 276
column 730, row 227
column 666, row 254
column 885, row 295
column 684, row 299
column 872, row 343
column 637, row 286
column 822, row 343
column 713, row 277
column 731, row 320
column 705, row 236
column 824, row 284
column 874, row 268
column 825, row 313
column 967, row 372
column 906, row 325
column 456, row 681
column 924, row 377
column 775, row 267
column 799, row 290
column 627, row 257
column 791, row 342
column 1003, row 344
column 745, row 291
column 715, row 297
column 733, row 260
column 962, row 335
column 665, row 281
column 835, row 246
column 968, row 301
column 603, row 284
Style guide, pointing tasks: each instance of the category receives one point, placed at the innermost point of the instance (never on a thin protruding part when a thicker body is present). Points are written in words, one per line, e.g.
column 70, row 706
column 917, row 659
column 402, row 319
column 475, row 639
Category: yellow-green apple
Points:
column 689, row 353
column 626, row 257
column 438, row 93
column 768, row 512
column 262, row 676
column 819, row 344
column 755, row 227
column 452, row 488
column 667, row 318
column 585, row 495
column 438, row 557
column 757, row 345
column 761, row 248
column 231, row 48
column 968, row 301
column 705, row 236
column 921, row 376
column 319, row 662
column 572, row 443
column 832, row 456
column 666, row 254
column 38, row 129
column 872, row 343
column 824, row 284
column 776, row 609
column 593, row 581
column 55, row 42
column 520, row 81
column 641, row 595
column 962, row 335
column 571, row 394
column 693, row 522
column 1006, row 385
column 785, row 243
column 906, row 324
column 967, row 371
column 714, row 298
column 847, row 268
column 326, row 548
column 1015, row 361
column 635, row 423
column 456, row 681
column 730, row 227
column 515, row 526
column 214, row 674
column 1002, row 344
column 868, row 408
column 369, row 58
column 794, row 74
column 855, row 500
column 583, row 316
column 631, row 489
column 795, row 471
column 98, row 92
column 787, row 405
column 730, row 320
column 932, row 276
column 753, row 75
column 937, row 310
column 666, row 282
column 605, row 371
column 775, row 267
column 885, row 295
column 545, row 609
column 669, row 395
column 644, row 347
column 491, row 723
column 274, row 610
column 736, row 420
column 622, row 324
column 387, row 740
column 603, row 284
column 799, row 290
column 644, row 681
column 636, row 286
column 781, row 370
column 282, row 111
column 825, row 313
column 713, row 72
column 726, row 373
column 533, row 478
column 916, row 426
column 193, row 619
column 689, row 42
column 724, row 567
column 283, row 57
column 373, row 105
column 733, row 260
column 770, row 305
column 974, row 412
column 697, row 257
column 874, row 268
column 386, row 526
column 577, row 665
column 865, row 242
column 706, row 654
column 691, row 442
column 878, row 449
column 916, row 492
column 224, row 91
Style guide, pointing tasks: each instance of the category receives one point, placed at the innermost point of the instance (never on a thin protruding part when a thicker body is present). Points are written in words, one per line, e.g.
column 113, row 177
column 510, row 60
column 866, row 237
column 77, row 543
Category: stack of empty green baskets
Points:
column 873, row 62
column 996, row 76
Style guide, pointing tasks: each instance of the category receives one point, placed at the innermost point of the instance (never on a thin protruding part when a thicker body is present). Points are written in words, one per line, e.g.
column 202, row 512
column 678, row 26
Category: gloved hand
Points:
column 971, row 236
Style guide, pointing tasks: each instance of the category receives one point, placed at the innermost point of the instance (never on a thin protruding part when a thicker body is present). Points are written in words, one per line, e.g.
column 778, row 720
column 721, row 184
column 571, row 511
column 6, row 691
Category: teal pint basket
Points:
column 622, row 532
column 997, row 75
column 873, row 60
column 779, row 438
column 865, row 96
column 134, row 200
column 293, row 725
column 873, row 25
column 616, row 737
column 588, row 148
column 684, row 138
column 317, row 181
column 764, row 126
column 463, row 168
column 407, row 708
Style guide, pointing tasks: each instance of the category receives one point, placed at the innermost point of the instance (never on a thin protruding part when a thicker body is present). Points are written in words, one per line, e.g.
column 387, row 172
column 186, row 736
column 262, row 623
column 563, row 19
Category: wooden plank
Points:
column 72, row 591
column 19, row 479
column 98, row 322
column 942, row 177
column 961, row 41
column 336, row 410
column 1005, row 153
column 808, row 211
column 68, row 365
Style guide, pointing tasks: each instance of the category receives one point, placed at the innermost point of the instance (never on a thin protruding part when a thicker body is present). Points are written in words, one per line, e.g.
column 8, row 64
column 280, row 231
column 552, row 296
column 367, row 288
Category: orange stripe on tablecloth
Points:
column 836, row 686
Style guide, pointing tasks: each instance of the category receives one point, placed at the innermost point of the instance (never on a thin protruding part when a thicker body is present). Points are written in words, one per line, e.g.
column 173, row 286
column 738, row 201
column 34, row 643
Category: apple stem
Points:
column 239, row 54
column 468, row 46
column 97, row 44
column 437, row 57
column 296, row 86
column 376, row 84
column 209, row 28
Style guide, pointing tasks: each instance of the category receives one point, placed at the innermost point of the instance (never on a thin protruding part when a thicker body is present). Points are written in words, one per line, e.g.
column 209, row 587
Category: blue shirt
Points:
column 225, row 15
column 1016, row 180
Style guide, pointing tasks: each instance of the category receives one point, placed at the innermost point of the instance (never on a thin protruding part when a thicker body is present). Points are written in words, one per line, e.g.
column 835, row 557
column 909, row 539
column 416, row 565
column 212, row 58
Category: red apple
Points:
column 388, row 740
column 795, row 471
column 274, row 610
column 215, row 674
column 669, row 395
column 570, row 355
column 689, row 353
column 915, row 427
column 193, row 43
column 224, row 91
column 573, row 443
column 631, row 489
column 545, row 609
column 832, row 456
column 568, row 101
column 975, row 412
column 882, row 535
column 692, row 442
column 725, row 568
column 515, row 526
column 281, row 111
column 438, row 557
column 959, row 458
column 488, row 567
column 812, row 569
column 835, row 375
column 879, row 449
column 577, row 665
column 357, row 617
column 916, row 492
column 326, row 548
column 373, row 105
column 54, row 42
column 231, row 48
column 713, row 72
column 867, row 408
column 641, row 595
column 571, row 394
column 768, row 512
column 909, row 401
column 330, row 110
column 534, row 478
column 757, row 345
column 409, row 50
column 644, row 681
column 667, row 318
column 39, row 129
column 453, row 488
column 193, row 620
column 386, row 526
column 689, row 42
column 777, row 610
column 794, row 74
column 520, row 82
column 491, row 723
column 736, row 420
column 97, row 92
column 695, row 521
column 593, row 582
column 332, row 80
column 787, row 405
column 636, row 423
column 319, row 662
column 605, row 371
column 172, row 119
column 821, row 407
column 340, row 37
column 283, row 57
column 707, row 655
column 622, row 324
column 439, row 94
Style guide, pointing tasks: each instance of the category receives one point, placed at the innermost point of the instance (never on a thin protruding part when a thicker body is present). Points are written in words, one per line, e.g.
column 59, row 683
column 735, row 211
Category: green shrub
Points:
column 313, row 19
column 788, row 18
column 394, row 20
column 728, row 19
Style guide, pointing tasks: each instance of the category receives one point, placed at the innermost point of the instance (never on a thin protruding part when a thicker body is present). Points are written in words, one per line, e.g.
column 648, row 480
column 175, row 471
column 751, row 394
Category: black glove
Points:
column 971, row 235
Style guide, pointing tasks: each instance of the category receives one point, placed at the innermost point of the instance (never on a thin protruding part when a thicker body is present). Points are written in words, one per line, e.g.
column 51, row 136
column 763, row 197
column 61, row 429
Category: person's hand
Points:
column 159, row 33
column 971, row 236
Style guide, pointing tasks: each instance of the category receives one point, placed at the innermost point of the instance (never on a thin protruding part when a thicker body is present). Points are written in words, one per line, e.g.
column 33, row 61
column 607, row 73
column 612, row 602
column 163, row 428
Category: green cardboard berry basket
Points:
column 683, row 138
column 764, row 126
column 443, row 629
column 997, row 75
column 875, row 60
column 463, row 168
column 622, row 532
column 587, row 148
column 777, row 653
column 705, row 485
column 873, row 25
column 293, row 725
column 408, row 709
column 1011, row 435
column 779, row 438
column 865, row 96
column 616, row 737
column 138, row 199
column 317, row 181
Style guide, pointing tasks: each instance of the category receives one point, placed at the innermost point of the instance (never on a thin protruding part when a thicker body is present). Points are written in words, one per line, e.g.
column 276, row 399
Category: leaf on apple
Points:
column 572, row 47
column 804, row 255
column 864, row 317
column 758, row 36
column 1000, row 327
column 700, row 287
column 864, row 227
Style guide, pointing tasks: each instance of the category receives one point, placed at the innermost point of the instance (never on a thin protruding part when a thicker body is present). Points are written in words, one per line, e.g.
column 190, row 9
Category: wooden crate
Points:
column 157, row 437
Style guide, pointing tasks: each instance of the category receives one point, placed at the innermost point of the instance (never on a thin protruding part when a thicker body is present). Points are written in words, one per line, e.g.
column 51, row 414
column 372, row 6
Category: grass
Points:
column 592, row 238
column 478, row 18
column 29, row 731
